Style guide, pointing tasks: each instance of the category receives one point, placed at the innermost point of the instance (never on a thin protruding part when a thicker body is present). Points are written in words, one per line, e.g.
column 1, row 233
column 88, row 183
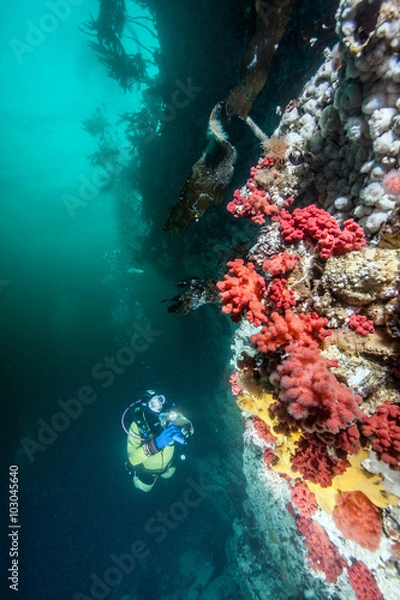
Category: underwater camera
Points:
column 185, row 433
column 185, row 426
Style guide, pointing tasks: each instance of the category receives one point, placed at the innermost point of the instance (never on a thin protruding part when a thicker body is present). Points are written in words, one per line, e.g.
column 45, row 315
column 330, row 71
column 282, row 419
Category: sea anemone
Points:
column 391, row 183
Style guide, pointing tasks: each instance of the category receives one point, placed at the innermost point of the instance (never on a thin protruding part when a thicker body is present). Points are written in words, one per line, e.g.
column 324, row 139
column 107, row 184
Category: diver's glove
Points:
column 167, row 436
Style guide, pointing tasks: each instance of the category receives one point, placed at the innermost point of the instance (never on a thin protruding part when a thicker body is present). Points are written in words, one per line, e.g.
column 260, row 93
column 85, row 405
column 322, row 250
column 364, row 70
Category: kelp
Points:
column 209, row 177
column 211, row 174
column 272, row 19
column 95, row 125
column 127, row 69
column 109, row 26
column 140, row 125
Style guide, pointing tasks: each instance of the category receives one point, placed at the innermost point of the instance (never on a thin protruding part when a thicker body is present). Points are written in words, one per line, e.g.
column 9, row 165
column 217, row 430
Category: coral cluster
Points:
column 322, row 230
column 286, row 328
column 383, row 428
column 363, row 582
column 315, row 463
column 361, row 324
column 242, row 292
column 303, row 499
column 317, row 352
column 346, row 121
column 251, row 203
column 318, row 369
column 322, row 555
column 311, row 395
column 358, row 519
column 282, row 263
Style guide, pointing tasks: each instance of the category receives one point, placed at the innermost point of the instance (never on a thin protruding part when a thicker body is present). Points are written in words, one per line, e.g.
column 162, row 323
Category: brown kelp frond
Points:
column 270, row 27
column 127, row 69
column 210, row 176
column 208, row 179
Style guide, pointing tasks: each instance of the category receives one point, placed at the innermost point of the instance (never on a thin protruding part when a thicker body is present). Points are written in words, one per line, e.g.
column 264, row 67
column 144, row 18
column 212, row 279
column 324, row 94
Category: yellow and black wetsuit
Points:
column 147, row 461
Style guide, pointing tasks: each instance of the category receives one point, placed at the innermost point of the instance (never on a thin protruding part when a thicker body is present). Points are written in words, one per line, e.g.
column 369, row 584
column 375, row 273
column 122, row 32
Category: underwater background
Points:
column 68, row 301
column 90, row 167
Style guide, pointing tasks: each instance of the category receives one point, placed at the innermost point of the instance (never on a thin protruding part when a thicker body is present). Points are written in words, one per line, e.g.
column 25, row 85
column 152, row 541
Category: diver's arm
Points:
column 139, row 449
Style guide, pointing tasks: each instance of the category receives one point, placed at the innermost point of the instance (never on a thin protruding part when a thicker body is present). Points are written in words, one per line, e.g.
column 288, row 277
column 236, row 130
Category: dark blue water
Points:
column 69, row 301
column 84, row 270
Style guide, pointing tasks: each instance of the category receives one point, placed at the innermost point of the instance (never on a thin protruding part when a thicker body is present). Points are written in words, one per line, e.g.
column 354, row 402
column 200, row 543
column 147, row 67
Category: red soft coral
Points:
column 315, row 463
column 255, row 204
column 322, row 553
column 282, row 263
column 303, row 499
column 263, row 431
column 268, row 457
column 363, row 582
column 282, row 330
column 383, row 428
column 243, row 292
column 321, row 229
column 235, row 385
column 360, row 324
column 312, row 394
column 347, row 440
column 280, row 295
column 358, row 519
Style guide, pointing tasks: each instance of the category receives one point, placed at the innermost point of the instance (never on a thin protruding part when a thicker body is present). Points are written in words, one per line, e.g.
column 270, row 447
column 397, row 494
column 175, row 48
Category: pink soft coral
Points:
column 235, row 385
column 363, row 582
column 383, row 428
column 282, row 330
column 255, row 204
column 358, row 519
column 360, row 324
column 321, row 229
column 315, row 463
column 303, row 499
column 263, row 431
column 322, row 553
column 280, row 295
column 312, row 394
column 282, row 263
column 243, row 292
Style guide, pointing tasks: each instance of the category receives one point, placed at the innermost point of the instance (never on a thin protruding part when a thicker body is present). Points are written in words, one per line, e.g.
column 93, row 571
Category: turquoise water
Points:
column 84, row 269
column 76, row 285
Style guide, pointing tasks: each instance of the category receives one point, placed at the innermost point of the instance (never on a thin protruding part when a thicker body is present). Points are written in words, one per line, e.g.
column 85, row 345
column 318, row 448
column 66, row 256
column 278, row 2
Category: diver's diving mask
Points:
column 156, row 403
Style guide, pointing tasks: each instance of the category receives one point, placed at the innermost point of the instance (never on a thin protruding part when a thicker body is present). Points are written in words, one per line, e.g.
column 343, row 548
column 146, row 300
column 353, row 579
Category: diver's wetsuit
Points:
column 147, row 462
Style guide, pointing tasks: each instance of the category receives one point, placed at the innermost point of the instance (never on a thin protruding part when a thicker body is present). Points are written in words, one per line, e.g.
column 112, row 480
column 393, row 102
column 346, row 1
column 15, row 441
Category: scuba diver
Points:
column 153, row 437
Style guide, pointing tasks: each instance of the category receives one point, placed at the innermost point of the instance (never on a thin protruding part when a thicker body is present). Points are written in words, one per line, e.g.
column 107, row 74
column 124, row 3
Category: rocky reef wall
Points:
column 316, row 353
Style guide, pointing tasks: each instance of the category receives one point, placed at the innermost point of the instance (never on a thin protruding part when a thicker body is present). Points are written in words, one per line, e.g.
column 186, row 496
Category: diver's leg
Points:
column 168, row 473
column 129, row 468
column 144, row 486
